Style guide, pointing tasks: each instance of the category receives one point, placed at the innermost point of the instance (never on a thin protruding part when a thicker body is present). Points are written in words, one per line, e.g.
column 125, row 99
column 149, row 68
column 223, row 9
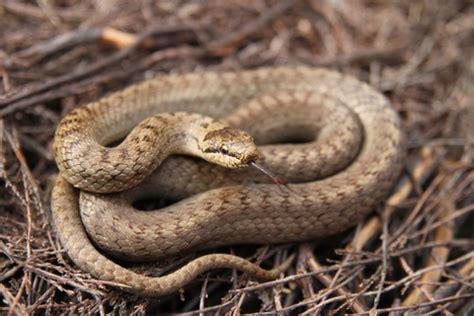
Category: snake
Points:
column 195, row 139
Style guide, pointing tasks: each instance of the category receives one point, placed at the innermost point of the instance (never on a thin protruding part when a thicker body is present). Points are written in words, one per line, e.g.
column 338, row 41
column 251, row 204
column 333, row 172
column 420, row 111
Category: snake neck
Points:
column 92, row 166
column 180, row 133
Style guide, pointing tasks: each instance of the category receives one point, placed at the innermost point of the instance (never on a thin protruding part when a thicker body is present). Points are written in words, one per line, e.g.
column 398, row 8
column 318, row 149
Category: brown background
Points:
column 55, row 55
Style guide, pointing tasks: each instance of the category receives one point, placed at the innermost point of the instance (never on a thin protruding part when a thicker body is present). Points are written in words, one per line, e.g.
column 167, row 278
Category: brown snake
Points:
column 352, row 157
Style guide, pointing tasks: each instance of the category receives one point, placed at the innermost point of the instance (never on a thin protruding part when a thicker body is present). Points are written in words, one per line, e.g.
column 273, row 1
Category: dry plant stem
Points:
column 419, row 51
column 438, row 255
column 456, row 214
column 230, row 41
column 356, row 56
column 397, row 284
column 66, row 90
column 445, row 232
column 22, row 100
column 62, row 41
column 356, row 305
column 355, row 263
column 421, row 171
column 449, row 288
column 15, row 307
column 373, row 225
column 231, row 304
column 302, row 267
column 422, row 305
column 384, row 267
column 313, row 304
column 29, row 198
column 118, row 38
column 75, row 38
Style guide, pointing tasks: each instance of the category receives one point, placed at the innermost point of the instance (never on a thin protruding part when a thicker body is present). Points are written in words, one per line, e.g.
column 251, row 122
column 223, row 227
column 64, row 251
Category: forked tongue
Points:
column 276, row 179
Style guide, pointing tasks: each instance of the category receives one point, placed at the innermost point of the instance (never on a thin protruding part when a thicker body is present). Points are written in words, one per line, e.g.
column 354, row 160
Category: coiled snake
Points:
column 348, row 156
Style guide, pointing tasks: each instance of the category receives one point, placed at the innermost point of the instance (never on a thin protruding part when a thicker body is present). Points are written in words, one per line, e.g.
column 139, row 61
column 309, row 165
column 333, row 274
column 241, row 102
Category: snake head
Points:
column 230, row 148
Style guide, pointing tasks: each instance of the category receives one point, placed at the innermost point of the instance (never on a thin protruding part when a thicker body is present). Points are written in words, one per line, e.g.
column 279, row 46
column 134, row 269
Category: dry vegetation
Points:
column 413, row 254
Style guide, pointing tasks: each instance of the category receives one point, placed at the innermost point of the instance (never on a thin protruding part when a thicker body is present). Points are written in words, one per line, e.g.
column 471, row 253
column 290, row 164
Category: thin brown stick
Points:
column 356, row 305
column 16, row 102
column 230, row 41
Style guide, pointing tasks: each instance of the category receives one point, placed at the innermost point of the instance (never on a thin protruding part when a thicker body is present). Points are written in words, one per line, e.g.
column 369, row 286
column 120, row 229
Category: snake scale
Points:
column 335, row 140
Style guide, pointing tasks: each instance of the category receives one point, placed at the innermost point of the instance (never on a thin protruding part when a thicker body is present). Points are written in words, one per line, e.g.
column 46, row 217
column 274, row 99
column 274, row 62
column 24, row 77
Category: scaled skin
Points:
column 253, row 213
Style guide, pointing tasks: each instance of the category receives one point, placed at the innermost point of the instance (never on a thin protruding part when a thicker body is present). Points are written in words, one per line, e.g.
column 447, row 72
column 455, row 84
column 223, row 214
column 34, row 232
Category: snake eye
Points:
column 224, row 149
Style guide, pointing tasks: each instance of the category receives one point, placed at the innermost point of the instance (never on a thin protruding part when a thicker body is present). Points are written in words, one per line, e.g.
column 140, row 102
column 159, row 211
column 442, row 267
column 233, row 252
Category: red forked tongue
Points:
column 276, row 179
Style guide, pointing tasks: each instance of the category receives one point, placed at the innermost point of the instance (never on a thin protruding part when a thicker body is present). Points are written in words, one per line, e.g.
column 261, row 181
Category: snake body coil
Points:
column 352, row 158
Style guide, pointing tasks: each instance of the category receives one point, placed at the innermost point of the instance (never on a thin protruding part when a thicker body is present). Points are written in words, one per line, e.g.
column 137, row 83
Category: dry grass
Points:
column 413, row 254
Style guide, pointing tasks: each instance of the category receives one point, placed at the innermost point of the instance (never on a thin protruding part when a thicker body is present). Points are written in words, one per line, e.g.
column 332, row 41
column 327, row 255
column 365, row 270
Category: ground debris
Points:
column 414, row 255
